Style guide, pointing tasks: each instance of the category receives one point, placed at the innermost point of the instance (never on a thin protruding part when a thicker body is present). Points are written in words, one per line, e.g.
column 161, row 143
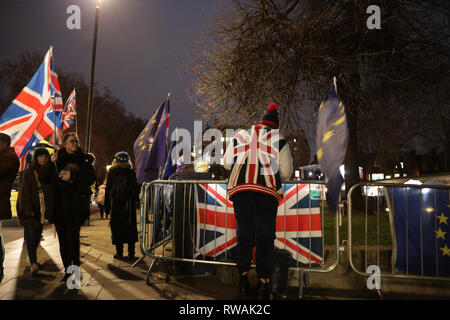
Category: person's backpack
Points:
column 121, row 189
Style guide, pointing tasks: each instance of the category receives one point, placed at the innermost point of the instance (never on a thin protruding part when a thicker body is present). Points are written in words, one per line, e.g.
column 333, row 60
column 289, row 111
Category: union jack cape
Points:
column 32, row 116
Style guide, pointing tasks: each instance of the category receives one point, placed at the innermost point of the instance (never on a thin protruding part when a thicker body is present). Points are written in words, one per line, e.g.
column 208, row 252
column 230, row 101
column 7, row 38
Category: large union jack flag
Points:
column 33, row 114
column 298, row 223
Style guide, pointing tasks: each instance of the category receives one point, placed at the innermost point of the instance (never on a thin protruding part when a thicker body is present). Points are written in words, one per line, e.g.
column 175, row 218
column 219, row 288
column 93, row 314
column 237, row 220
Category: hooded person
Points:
column 121, row 195
column 31, row 205
column 254, row 187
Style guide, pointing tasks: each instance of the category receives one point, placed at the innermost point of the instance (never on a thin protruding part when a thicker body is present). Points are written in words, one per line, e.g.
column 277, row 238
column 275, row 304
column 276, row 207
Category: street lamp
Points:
column 91, row 86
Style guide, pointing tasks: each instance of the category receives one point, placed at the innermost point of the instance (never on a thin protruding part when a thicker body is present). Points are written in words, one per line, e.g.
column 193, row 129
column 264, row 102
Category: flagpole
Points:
column 91, row 86
column 335, row 84
column 54, row 120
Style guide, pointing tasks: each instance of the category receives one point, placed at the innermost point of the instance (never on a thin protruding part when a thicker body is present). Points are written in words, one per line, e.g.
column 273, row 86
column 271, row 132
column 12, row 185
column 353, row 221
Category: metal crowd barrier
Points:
column 408, row 210
column 171, row 216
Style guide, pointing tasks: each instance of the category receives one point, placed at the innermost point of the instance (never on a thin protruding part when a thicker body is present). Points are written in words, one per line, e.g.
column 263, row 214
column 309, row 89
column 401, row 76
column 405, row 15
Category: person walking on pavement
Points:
column 100, row 199
column 31, row 205
column 70, row 174
column 121, row 195
column 259, row 159
column 9, row 166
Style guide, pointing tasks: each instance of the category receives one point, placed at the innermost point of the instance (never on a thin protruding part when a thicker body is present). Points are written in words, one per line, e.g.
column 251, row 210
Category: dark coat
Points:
column 68, row 200
column 123, row 211
column 28, row 198
column 9, row 166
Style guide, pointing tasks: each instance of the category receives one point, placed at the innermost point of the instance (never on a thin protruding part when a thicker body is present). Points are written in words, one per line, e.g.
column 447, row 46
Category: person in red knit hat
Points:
column 259, row 159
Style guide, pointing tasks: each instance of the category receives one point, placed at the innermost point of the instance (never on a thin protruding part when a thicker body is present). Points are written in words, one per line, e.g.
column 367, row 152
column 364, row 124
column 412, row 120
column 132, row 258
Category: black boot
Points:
column 131, row 252
column 119, row 251
column 244, row 286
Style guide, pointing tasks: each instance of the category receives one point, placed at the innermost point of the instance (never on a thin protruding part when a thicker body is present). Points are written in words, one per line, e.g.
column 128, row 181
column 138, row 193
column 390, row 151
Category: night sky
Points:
column 142, row 45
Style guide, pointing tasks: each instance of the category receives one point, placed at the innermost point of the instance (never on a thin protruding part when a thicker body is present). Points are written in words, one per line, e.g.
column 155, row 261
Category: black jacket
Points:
column 28, row 198
column 68, row 200
column 123, row 210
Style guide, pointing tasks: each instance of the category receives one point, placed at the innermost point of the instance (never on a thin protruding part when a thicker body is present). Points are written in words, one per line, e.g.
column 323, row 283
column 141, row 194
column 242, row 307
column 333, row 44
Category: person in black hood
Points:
column 71, row 174
column 121, row 195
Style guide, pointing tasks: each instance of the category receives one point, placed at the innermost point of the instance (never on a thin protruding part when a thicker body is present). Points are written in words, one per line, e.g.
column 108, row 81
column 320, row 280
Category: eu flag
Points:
column 421, row 231
column 171, row 164
column 150, row 148
column 331, row 142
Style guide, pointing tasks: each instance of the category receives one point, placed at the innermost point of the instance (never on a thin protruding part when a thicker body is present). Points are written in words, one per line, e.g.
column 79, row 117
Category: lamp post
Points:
column 91, row 86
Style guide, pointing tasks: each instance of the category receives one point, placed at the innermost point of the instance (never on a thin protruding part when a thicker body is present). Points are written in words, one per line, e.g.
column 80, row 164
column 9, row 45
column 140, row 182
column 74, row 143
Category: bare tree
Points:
column 289, row 50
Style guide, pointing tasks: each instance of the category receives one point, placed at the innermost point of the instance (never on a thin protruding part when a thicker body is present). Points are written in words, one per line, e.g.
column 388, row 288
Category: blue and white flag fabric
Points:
column 298, row 223
column 331, row 142
column 33, row 114
column 150, row 148
column 420, row 229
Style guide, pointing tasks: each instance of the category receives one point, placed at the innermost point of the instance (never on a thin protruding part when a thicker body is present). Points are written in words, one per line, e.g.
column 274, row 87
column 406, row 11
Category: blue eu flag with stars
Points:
column 150, row 148
column 421, row 230
column 331, row 142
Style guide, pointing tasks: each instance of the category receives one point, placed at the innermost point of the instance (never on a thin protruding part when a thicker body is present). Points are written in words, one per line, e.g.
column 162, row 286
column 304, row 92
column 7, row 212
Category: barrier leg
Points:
column 139, row 260
column 149, row 272
column 300, row 284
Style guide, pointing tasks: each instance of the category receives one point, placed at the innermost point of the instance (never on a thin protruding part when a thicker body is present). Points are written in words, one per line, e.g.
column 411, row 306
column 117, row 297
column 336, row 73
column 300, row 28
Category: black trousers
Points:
column 69, row 242
column 255, row 215
column 131, row 249
column 102, row 210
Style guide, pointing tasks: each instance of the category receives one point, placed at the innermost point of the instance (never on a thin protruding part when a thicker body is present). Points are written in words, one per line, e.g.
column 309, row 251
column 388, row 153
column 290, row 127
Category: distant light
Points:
column 413, row 182
column 295, row 140
column 429, row 209
column 397, row 175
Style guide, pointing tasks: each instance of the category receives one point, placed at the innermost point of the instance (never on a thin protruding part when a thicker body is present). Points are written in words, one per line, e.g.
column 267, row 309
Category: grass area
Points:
column 358, row 229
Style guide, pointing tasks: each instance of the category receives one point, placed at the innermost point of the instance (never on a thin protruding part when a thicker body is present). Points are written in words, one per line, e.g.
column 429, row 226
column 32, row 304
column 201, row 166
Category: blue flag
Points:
column 171, row 164
column 422, row 230
column 150, row 148
column 331, row 142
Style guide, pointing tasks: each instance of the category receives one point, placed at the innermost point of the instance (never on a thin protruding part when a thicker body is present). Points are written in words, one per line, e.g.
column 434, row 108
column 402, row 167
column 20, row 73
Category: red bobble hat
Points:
column 270, row 117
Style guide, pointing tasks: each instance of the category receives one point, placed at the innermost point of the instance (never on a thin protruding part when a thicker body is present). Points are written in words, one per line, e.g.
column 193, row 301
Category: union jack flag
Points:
column 67, row 119
column 298, row 223
column 32, row 115
column 69, row 113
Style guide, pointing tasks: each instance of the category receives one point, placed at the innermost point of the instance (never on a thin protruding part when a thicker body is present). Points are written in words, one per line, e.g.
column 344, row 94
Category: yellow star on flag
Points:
column 143, row 147
column 140, row 143
column 154, row 121
column 442, row 218
column 445, row 251
column 146, row 129
column 440, row 234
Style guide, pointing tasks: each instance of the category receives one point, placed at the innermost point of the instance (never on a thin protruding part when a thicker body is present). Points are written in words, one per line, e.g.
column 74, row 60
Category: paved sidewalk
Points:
column 103, row 277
